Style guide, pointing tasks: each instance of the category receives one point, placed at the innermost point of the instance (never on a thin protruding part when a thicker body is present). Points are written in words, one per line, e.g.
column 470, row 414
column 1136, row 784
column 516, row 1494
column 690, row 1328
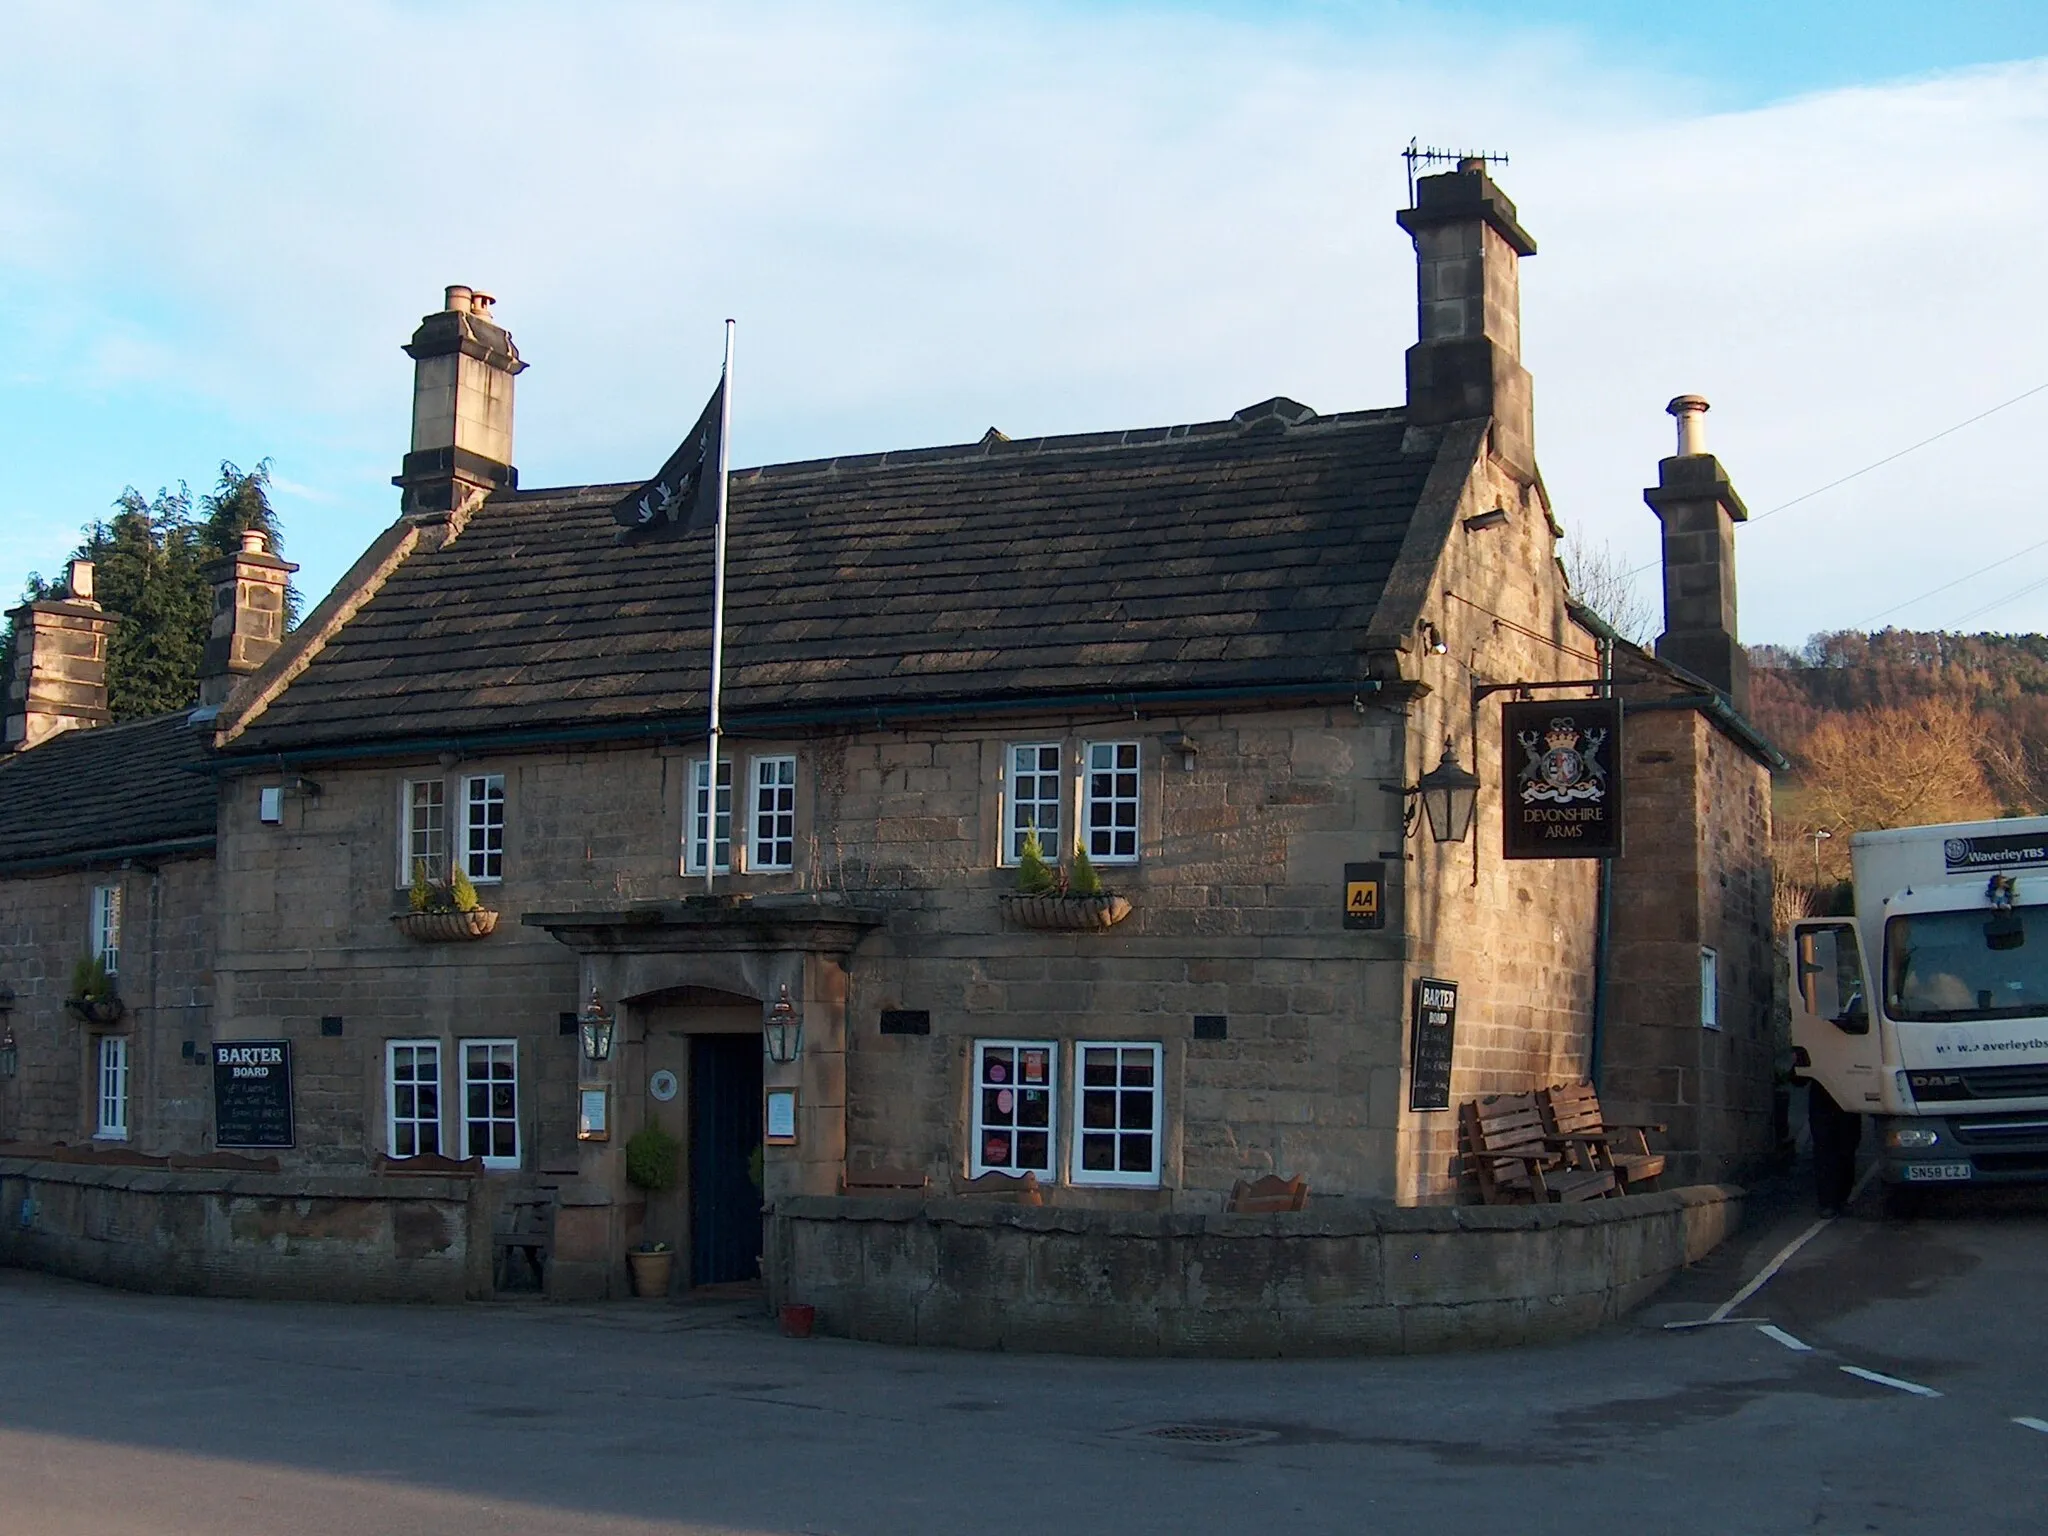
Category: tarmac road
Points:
column 151, row 1415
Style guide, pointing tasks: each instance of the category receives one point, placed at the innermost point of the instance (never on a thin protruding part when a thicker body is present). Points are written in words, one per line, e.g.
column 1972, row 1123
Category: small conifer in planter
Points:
column 1071, row 899
column 92, row 992
column 1034, row 876
column 444, row 910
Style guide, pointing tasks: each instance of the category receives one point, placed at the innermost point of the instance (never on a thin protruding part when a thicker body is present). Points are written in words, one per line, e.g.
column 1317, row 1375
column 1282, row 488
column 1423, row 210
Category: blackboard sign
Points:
column 252, row 1093
column 1561, row 779
column 1436, row 1029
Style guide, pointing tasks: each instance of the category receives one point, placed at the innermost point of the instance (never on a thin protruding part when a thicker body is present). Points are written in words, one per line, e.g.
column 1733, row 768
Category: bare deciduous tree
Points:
column 1896, row 768
column 1600, row 578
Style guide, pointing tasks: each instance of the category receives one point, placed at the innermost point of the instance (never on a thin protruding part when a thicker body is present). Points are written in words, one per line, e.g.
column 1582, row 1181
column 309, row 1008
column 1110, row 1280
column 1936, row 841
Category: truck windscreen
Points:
column 1983, row 964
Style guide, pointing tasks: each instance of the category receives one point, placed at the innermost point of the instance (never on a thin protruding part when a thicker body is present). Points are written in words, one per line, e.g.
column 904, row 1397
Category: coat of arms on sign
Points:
column 1563, row 764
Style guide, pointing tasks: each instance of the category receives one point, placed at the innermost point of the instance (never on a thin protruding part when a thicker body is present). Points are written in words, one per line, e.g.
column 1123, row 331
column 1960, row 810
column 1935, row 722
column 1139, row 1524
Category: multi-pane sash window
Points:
column 700, row 816
column 490, row 1102
column 1034, row 800
column 1014, row 1088
column 1112, row 801
column 111, row 1121
column 1117, row 1126
column 774, row 814
column 425, row 809
column 106, row 926
column 483, row 826
column 412, row 1071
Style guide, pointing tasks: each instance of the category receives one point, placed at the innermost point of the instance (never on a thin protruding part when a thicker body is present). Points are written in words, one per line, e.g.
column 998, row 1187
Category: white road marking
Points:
column 1913, row 1387
column 2040, row 1424
column 1784, row 1338
column 1764, row 1276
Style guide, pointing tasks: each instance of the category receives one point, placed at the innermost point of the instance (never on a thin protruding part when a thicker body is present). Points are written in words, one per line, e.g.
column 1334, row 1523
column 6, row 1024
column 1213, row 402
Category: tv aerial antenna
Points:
column 1417, row 154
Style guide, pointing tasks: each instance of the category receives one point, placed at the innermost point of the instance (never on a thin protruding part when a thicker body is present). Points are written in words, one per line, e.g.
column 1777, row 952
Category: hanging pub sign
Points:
column 1436, row 1030
column 252, row 1093
column 1561, row 779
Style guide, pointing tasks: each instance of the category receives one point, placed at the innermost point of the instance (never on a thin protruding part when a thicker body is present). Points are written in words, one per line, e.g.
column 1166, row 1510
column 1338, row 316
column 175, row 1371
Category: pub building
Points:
column 1383, row 821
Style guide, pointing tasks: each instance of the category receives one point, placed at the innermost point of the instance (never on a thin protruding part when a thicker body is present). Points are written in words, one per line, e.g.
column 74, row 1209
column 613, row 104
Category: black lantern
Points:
column 1449, row 796
column 783, row 1030
column 596, row 1026
column 10, row 1057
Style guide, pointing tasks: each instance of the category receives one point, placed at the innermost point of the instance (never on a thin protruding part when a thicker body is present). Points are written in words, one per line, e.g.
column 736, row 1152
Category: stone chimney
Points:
column 463, row 367
column 248, row 615
column 1699, row 510
column 1467, row 360
column 59, row 678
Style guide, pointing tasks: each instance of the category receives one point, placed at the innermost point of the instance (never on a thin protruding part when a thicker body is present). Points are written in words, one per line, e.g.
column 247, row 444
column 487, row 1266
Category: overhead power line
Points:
column 1890, row 458
column 1973, row 575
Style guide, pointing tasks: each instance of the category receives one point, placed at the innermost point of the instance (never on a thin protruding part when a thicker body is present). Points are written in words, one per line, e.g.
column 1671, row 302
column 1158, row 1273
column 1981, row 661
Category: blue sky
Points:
column 219, row 222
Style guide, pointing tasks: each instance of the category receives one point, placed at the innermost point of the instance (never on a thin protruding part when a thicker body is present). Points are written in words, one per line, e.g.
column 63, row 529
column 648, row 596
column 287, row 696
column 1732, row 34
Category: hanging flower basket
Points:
column 97, row 1010
column 1067, row 914
column 445, row 927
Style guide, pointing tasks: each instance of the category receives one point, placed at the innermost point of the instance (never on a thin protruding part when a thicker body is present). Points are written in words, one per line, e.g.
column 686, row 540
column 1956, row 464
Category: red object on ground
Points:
column 797, row 1319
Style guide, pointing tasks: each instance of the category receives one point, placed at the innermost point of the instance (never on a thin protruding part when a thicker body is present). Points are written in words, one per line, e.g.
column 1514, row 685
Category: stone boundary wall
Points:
column 206, row 1232
column 1342, row 1278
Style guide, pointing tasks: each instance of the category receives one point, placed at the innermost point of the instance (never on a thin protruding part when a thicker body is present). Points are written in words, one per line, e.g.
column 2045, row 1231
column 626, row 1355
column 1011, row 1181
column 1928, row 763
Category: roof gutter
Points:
column 172, row 848
column 1708, row 701
column 762, row 722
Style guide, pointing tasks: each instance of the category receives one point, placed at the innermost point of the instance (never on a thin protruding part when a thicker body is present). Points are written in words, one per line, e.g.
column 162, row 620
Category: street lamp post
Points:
column 1820, row 835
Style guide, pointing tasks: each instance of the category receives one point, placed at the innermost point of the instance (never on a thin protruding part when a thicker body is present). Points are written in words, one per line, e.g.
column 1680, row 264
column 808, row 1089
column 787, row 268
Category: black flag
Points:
column 683, row 498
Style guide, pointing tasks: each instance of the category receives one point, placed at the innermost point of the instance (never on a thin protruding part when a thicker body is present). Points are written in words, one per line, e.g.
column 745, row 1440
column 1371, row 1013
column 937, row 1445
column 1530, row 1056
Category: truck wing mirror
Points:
column 2005, row 931
column 1854, row 1019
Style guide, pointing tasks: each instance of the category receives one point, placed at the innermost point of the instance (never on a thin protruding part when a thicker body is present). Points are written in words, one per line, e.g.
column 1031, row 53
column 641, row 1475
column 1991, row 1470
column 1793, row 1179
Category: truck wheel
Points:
column 1836, row 1132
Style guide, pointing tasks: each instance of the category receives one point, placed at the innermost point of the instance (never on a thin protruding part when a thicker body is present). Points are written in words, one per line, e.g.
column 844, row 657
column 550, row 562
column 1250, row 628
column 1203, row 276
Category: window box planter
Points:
column 97, row 1010
column 446, row 927
column 1067, row 914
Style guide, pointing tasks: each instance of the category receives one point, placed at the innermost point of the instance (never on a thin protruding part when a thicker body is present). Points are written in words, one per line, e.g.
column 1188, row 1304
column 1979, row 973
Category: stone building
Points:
column 1218, row 657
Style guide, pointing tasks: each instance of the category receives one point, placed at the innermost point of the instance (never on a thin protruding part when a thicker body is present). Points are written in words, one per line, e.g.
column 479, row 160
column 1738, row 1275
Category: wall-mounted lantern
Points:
column 597, row 1027
column 1185, row 745
column 783, row 1030
column 1449, row 797
column 10, row 1056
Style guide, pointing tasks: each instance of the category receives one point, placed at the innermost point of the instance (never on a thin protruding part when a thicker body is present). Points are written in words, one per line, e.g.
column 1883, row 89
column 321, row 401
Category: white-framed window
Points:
column 483, row 826
column 423, row 829
column 412, row 1096
column 700, row 817
column 774, row 814
column 1110, row 804
column 106, row 926
column 110, row 1122
column 1118, row 1113
column 1032, row 798
column 1710, row 989
column 490, row 1102
column 1015, row 1107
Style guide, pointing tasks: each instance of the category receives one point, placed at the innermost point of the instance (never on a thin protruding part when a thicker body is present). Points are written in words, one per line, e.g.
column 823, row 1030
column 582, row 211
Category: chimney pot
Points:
column 1691, row 411
column 254, row 543
column 78, row 584
column 1471, row 163
column 480, row 303
column 458, row 299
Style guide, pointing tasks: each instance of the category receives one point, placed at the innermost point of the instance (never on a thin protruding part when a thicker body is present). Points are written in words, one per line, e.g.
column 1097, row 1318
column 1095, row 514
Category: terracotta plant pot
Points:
column 445, row 927
column 797, row 1319
column 1068, row 914
column 650, row 1273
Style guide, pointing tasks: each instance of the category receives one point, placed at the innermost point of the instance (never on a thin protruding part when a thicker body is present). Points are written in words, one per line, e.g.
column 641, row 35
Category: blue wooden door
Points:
column 725, row 1141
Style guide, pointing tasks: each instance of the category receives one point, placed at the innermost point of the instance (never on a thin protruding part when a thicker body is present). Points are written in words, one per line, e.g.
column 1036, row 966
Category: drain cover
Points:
column 1208, row 1434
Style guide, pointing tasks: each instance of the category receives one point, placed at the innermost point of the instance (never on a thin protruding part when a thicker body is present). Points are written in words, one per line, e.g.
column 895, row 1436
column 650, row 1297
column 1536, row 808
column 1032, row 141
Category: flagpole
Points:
column 718, row 632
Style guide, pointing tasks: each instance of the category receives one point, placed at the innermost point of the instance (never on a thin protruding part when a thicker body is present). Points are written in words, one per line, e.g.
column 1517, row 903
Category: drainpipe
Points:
column 1603, row 931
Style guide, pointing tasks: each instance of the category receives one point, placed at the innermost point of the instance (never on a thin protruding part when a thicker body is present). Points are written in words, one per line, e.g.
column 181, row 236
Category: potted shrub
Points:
column 652, row 1157
column 93, row 997
column 442, row 910
column 1071, row 899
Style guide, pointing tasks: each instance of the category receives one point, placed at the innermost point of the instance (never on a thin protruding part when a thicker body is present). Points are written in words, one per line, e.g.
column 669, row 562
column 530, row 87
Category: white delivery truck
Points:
column 1927, row 1012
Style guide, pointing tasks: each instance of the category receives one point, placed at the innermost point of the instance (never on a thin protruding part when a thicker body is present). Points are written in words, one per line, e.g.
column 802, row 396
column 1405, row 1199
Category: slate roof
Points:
column 104, row 789
column 1236, row 553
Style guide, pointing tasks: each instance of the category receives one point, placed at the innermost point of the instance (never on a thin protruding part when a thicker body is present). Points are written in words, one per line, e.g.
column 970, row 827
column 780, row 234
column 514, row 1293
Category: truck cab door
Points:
column 1834, row 1030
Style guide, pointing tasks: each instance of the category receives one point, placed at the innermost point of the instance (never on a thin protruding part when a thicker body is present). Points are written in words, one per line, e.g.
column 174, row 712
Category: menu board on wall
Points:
column 1435, row 1035
column 252, row 1093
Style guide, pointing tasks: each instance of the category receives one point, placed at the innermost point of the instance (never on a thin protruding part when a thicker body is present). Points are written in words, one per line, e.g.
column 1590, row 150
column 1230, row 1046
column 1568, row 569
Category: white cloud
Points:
column 930, row 220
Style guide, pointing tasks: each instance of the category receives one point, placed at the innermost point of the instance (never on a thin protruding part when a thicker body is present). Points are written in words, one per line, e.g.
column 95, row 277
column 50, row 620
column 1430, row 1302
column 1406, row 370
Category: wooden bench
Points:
column 1571, row 1112
column 525, row 1226
column 1270, row 1193
column 1511, row 1155
column 884, row 1181
column 1020, row 1190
